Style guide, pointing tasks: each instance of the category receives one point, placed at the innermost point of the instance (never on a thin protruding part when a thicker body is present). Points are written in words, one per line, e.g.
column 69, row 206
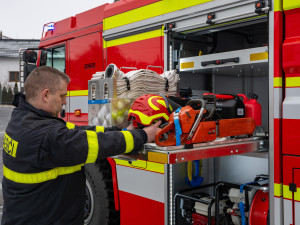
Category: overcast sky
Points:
column 24, row 19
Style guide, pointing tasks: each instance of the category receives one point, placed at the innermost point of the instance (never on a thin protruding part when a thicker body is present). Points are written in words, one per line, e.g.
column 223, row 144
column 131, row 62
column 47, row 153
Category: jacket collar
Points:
column 24, row 104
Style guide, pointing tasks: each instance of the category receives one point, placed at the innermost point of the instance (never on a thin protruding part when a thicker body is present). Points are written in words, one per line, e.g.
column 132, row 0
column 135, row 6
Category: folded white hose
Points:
column 147, row 82
column 142, row 82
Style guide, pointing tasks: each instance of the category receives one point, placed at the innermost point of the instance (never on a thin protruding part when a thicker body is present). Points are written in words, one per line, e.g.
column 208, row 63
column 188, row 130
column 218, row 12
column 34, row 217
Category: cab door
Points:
column 85, row 59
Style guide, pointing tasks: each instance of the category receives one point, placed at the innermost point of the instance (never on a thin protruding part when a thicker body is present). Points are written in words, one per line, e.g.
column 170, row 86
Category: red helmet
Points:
column 148, row 108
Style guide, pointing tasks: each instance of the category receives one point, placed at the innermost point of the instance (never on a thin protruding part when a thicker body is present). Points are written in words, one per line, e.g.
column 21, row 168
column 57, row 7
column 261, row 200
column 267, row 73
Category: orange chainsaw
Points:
column 187, row 126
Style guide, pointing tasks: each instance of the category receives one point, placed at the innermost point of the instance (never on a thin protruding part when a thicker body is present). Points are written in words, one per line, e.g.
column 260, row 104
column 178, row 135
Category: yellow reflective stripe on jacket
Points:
column 93, row 146
column 34, row 178
column 92, row 140
column 99, row 129
column 70, row 125
column 129, row 141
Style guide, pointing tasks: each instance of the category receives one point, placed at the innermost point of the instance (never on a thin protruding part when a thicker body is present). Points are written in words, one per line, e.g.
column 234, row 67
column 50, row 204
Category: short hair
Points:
column 41, row 78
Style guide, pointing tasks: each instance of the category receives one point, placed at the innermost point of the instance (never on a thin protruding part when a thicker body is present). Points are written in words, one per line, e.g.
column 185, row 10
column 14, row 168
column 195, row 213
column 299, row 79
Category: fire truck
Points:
column 216, row 46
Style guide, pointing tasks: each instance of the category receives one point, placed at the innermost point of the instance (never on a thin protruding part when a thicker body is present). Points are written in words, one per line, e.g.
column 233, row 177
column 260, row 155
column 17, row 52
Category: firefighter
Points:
column 43, row 157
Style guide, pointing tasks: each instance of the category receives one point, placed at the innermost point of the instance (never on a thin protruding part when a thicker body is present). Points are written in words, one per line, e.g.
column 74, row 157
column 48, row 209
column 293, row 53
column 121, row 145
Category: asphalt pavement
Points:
column 5, row 113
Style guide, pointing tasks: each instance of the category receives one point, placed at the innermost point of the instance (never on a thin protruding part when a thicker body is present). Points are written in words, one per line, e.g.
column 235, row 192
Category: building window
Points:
column 14, row 76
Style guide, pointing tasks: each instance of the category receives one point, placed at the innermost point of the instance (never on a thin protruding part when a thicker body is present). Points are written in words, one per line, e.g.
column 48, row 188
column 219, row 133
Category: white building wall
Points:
column 7, row 65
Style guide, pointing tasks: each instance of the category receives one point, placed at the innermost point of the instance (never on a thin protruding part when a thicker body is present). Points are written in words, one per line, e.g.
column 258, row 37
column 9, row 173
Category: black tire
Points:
column 100, row 206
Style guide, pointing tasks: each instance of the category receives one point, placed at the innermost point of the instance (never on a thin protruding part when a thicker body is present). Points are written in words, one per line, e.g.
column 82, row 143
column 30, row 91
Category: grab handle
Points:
column 220, row 61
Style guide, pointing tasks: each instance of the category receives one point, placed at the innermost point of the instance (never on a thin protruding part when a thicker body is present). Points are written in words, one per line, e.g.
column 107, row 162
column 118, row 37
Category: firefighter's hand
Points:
column 151, row 131
column 130, row 127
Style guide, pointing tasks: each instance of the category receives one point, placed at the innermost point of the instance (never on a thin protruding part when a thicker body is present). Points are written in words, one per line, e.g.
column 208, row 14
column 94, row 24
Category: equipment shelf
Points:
column 219, row 148
column 231, row 58
column 177, row 154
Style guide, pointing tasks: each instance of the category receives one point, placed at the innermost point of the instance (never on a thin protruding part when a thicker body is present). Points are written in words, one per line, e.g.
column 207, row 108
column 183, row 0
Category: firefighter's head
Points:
column 148, row 109
column 46, row 89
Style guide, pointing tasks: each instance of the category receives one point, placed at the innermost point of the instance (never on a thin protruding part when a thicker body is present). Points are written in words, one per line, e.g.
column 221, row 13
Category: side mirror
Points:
column 43, row 61
column 28, row 68
column 30, row 56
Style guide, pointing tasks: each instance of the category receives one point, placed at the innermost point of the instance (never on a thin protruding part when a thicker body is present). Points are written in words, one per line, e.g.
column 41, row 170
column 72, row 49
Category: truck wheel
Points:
column 100, row 207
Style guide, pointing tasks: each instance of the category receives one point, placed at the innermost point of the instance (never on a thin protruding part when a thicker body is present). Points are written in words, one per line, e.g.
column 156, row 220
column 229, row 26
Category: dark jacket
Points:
column 43, row 159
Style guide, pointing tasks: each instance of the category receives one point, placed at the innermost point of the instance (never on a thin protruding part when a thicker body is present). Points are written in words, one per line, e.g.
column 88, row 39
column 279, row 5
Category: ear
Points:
column 45, row 95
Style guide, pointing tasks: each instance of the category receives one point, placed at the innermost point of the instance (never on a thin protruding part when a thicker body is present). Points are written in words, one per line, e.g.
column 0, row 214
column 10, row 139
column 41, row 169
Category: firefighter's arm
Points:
column 68, row 147
column 94, row 128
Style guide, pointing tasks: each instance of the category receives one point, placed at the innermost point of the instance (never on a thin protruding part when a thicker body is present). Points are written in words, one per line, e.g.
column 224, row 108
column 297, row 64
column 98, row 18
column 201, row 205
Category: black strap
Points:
column 167, row 102
column 167, row 84
column 127, row 82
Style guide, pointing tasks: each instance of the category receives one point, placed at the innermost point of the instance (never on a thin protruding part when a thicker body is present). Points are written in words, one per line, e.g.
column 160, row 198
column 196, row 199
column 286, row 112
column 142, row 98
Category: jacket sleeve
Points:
column 94, row 128
column 63, row 147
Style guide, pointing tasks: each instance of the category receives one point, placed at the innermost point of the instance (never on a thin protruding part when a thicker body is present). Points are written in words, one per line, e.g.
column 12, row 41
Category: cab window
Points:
column 54, row 57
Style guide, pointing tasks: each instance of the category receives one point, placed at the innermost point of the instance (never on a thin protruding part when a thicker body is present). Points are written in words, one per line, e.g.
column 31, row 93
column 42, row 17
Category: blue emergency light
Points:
column 51, row 26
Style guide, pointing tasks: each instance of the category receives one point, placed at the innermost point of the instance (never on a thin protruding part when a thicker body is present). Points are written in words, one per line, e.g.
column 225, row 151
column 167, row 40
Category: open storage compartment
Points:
column 227, row 59
column 229, row 204
column 230, row 59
